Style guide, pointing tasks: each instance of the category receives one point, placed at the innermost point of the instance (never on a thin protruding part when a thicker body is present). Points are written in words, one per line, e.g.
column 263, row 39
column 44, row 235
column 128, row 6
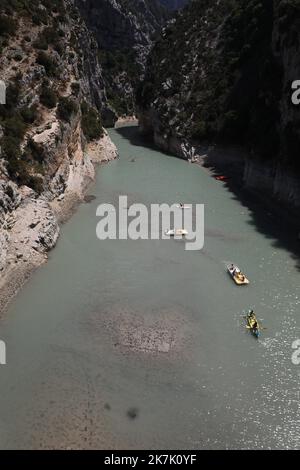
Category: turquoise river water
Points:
column 142, row 344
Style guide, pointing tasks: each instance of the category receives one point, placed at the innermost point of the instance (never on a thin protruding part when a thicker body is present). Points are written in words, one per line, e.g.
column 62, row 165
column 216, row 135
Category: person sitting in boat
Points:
column 253, row 317
column 181, row 205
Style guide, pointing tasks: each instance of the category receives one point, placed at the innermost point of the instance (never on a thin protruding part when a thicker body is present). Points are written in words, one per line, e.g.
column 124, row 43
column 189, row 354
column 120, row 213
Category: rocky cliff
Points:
column 222, row 73
column 174, row 4
column 51, row 127
column 125, row 30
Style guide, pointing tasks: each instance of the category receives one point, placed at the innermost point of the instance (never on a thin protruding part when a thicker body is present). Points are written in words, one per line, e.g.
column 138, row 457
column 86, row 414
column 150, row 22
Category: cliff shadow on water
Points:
column 273, row 219
column 137, row 138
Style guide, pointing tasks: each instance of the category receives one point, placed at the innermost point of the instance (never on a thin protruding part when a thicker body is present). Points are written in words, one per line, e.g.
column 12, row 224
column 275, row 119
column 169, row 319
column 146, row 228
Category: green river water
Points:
column 85, row 363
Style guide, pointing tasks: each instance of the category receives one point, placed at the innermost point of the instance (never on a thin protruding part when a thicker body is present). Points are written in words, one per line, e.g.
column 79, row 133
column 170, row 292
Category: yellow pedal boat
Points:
column 237, row 275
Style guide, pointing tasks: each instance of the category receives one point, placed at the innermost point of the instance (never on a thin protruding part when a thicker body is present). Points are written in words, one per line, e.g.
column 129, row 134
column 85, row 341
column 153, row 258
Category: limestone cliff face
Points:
column 222, row 73
column 50, row 127
column 125, row 30
column 123, row 23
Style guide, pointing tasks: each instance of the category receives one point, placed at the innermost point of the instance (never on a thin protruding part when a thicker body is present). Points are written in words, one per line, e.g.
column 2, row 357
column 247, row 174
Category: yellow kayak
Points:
column 253, row 325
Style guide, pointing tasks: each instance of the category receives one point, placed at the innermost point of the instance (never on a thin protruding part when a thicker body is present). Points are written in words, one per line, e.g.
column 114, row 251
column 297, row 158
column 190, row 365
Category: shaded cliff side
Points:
column 125, row 30
column 174, row 4
column 222, row 73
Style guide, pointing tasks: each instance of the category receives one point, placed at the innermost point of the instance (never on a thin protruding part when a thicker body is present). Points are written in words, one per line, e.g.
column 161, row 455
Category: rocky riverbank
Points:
column 51, row 133
column 31, row 226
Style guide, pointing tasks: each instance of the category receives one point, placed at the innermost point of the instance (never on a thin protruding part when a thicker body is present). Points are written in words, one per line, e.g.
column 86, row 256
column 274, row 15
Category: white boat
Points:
column 184, row 207
column 176, row 233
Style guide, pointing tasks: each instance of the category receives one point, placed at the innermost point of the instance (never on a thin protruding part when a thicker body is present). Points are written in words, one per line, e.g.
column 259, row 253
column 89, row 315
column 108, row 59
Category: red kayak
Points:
column 222, row 178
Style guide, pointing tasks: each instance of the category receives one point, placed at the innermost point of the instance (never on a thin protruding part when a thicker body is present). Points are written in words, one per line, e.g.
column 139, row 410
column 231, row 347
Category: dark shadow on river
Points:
column 133, row 135
column 270, row 218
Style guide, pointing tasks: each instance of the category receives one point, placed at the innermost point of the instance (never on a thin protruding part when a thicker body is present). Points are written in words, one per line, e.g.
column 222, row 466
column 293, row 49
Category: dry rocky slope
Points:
column 50, row 129
column 222, row 74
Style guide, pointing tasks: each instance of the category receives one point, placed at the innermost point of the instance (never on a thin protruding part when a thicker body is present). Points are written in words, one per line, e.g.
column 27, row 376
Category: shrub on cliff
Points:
column 9, row 192
column 36, row 183
column 33, row 9
column 48, row 62
column 15, row 127
column 75, row 87
column 17, row 167
column 118, row 103
column 66, row 108
column 8, row 26
column 40, row 17
column 48, row 97
column 29, row 114
column 49, row 36
column 10, row 148
column 91, row 122
column 55, row 6
column 17, row 170
column 33, row 152
column 41, row 43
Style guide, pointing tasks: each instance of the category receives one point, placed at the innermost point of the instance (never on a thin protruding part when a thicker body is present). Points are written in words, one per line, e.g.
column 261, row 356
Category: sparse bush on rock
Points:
column 66, row 108
column 48, row 97
column 8, row 26
column 48, row 63
column 91, row 122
